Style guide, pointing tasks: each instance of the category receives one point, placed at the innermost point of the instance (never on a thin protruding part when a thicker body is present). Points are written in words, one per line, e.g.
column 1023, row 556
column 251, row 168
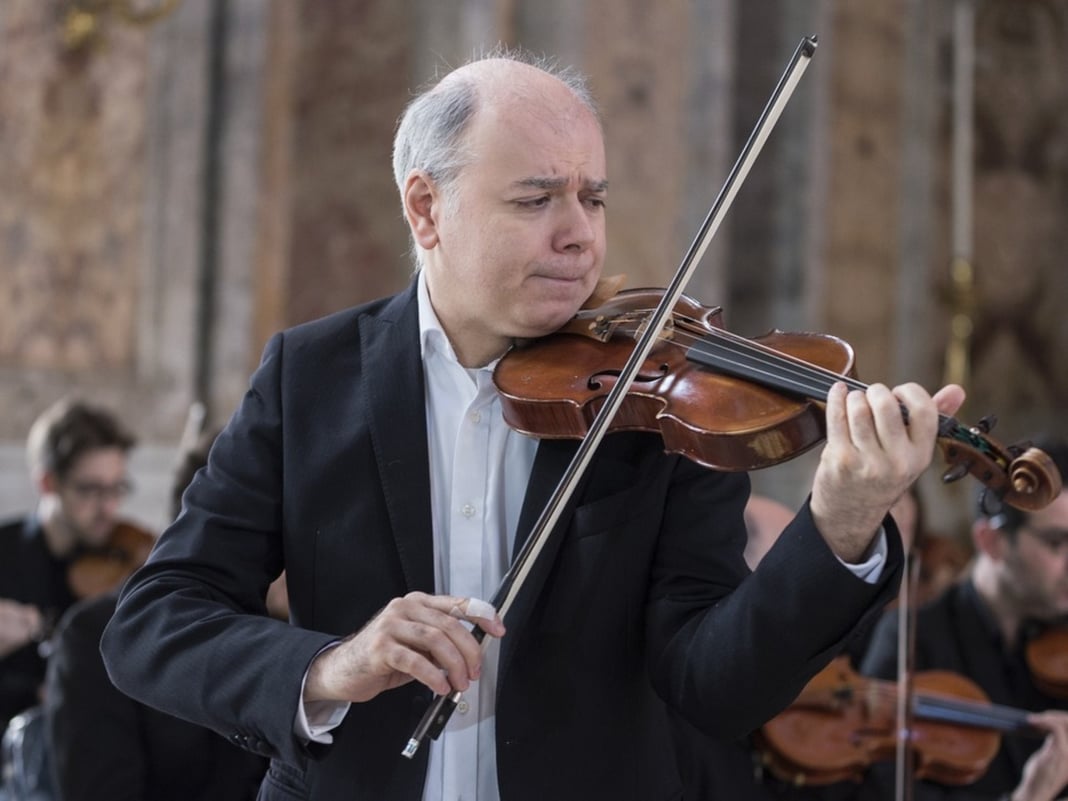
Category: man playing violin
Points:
column 370, row 460
column 981, row 627
column 77, row 455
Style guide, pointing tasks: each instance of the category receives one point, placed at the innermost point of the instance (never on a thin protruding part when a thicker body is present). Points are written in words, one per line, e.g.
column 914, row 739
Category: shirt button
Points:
column 468, row 510
column 475, row 416
column 462, row 707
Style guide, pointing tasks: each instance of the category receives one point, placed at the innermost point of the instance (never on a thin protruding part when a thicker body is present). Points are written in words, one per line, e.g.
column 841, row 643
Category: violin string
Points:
column 822, row 378
column 765, row 364
column 775, row 367
column 793, row 374
column 954, row 710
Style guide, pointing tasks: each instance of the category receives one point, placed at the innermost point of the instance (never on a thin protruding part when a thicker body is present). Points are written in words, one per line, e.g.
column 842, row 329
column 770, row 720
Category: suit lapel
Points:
column 396, row 409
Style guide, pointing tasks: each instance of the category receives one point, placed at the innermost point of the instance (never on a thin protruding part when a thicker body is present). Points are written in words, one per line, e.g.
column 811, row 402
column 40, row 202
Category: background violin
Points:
column 843, row 722
column 720, row 399
column 98, row 571
column 1047, row 659
column 102, row 570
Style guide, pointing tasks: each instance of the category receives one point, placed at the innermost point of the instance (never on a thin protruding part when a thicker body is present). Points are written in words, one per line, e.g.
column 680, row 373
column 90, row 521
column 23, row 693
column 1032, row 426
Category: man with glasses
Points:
column 980, row 627
column 77, row 457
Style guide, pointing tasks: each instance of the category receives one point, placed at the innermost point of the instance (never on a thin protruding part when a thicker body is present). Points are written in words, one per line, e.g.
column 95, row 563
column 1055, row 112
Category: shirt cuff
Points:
column 871, row 568
column 315, row 720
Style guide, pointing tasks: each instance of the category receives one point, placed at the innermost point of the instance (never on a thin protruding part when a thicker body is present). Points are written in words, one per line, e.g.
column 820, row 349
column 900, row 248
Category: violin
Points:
column 843, row 722
column 1047, row 659
column 99, row 571
column 104, row 569
column 722, row 400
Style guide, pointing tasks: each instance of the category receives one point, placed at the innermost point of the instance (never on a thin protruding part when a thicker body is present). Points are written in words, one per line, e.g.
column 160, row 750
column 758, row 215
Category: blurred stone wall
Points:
column 173, row 193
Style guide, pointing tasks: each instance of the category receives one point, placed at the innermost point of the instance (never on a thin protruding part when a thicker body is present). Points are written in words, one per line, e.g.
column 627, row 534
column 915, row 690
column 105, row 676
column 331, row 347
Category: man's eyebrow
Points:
column 559, row 182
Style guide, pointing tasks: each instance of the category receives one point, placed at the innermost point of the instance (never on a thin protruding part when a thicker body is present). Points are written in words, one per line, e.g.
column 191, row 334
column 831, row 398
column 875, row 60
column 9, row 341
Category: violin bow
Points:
column 441, row 708
column 904, row 763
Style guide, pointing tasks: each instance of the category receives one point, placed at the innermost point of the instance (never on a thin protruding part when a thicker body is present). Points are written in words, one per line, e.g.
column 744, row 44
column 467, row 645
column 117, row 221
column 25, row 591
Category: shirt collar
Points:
column 432, row 337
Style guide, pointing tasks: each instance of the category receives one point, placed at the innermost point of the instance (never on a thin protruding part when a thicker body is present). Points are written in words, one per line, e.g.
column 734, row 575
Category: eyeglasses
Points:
column 1056, row 539
column 98, row 493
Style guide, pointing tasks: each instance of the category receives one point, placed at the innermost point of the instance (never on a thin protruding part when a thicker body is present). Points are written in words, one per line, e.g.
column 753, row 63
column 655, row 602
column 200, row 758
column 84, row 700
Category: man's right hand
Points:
column 20, row 624
column 419, row 636
column 1045, row 776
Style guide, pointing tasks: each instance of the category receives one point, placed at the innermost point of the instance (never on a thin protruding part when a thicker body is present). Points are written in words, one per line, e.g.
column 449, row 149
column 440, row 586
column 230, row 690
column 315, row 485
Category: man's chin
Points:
column 97, row 537
column 552, row 316
column 543, row 329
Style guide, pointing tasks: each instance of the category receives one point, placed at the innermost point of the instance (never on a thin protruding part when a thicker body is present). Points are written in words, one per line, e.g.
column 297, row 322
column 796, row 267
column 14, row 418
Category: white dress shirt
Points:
column 479, row 470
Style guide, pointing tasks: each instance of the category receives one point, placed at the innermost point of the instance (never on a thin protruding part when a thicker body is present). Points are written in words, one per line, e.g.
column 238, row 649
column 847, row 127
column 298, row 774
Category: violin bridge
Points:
column 592, row 323
column 667, row 333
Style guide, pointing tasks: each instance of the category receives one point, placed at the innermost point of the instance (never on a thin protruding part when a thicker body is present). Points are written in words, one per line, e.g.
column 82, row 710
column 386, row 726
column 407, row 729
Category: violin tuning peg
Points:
column 987, row 423
column 955, row 473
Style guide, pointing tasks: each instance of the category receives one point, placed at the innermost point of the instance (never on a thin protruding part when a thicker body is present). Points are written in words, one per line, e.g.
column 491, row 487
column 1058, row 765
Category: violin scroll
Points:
column 1019, row 475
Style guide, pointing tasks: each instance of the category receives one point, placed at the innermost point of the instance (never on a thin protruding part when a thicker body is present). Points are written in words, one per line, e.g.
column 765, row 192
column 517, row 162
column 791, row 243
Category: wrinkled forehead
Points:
column 545, row 128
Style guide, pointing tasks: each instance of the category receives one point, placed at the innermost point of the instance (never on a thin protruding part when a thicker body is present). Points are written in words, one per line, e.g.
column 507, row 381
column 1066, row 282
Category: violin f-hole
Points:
column 596, row 383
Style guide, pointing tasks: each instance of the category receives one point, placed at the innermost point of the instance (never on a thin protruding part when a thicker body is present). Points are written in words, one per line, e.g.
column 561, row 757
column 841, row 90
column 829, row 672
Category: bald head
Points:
column 430, row 136
column 505, row 81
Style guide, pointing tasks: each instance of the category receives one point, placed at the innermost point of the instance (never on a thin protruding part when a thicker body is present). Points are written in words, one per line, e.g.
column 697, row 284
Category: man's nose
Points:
column 577, row 228
column 110, row 503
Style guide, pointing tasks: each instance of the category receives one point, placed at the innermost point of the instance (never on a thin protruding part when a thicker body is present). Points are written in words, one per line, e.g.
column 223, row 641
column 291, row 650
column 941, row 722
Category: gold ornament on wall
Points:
column 84, row 21
column 958, row 347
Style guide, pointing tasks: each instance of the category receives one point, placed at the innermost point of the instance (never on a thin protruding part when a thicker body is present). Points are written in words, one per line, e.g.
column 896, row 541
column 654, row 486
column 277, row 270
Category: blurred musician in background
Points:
column 106, row 745
column 981, row 628
column 77, row 456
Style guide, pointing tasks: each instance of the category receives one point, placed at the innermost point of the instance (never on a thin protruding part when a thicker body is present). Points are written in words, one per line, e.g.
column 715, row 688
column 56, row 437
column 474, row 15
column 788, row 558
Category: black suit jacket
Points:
column 105, row 745
column 642, row 598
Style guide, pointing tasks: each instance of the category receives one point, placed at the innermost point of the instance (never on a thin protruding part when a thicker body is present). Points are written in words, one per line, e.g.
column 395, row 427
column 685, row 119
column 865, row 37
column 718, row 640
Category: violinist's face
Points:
column 90, row 494
column 518, row 245
column 1037, row 564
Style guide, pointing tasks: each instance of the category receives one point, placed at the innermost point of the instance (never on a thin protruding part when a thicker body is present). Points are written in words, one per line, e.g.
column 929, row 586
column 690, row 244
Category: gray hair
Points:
column 430, row 131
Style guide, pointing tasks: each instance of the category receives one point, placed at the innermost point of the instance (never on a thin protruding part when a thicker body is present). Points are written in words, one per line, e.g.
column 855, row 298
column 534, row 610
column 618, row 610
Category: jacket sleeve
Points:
column 190, row 635
column 729, row 649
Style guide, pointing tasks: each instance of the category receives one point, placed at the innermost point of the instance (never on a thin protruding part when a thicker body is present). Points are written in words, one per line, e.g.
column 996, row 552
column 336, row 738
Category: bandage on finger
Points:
column 476, row 608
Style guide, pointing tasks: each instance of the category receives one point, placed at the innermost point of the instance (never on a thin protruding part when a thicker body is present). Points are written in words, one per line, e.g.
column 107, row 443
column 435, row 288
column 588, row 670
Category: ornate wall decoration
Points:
column 70, row 196
column 1021, row 162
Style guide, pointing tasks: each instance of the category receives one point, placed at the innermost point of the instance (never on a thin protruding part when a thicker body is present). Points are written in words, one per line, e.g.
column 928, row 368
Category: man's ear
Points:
column 47, row 482
column 422, row 202
column 989, row 540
